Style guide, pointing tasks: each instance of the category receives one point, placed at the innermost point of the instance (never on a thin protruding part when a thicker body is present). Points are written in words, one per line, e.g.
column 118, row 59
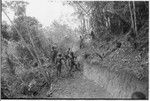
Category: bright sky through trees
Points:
column 46, row 11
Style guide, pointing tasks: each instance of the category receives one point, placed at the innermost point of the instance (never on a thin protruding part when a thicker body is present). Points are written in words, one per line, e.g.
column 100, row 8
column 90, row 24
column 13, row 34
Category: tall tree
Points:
column 19, row 7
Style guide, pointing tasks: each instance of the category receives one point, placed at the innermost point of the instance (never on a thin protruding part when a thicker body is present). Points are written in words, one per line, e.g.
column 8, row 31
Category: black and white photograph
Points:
column 74, row 50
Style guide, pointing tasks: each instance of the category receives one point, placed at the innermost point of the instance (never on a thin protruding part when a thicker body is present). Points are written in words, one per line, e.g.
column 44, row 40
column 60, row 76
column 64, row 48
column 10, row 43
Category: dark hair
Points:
column 138, row 95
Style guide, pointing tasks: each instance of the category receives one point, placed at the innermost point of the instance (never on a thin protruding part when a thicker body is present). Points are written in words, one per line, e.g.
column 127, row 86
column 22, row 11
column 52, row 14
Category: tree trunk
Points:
column 34, row 48
column 132, row 22
column 40, row 67
column 134, row 12
column 133, row 25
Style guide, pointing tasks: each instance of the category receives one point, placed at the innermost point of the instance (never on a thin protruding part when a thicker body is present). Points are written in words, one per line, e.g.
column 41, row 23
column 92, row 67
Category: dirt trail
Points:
column 79, row 87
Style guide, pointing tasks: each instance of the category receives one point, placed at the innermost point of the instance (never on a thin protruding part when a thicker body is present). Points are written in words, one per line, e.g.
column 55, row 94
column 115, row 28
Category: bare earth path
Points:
column 78, row 87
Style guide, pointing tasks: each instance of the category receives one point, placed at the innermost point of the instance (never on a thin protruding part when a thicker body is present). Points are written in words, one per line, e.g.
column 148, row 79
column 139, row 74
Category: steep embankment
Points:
column 117, row 84
column 118, row 73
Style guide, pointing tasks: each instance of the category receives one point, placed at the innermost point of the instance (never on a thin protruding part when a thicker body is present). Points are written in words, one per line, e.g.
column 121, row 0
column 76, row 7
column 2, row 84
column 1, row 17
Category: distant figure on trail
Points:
column 138, row 96
column 92, row 35
column 54, row 54
column 59, row 63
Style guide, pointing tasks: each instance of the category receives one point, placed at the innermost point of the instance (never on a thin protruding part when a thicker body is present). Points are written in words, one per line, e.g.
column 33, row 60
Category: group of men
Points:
column 68, row 59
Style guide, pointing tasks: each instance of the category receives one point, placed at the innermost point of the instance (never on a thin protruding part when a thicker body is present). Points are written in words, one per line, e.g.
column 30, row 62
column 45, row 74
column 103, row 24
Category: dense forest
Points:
column 113, row 37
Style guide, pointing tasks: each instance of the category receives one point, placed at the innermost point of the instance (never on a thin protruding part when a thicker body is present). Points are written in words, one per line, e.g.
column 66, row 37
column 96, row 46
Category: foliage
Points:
column 5, row 31
column 117, row 15
column 60, row 32
column 19, row 7
column 24, row 55
column 24, row 25
column 82, row 11
column 25, row 61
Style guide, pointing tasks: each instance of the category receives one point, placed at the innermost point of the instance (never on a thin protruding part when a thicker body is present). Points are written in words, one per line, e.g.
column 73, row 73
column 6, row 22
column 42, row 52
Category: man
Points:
column 54, row 54
column 73, row 63
column 59, row 62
